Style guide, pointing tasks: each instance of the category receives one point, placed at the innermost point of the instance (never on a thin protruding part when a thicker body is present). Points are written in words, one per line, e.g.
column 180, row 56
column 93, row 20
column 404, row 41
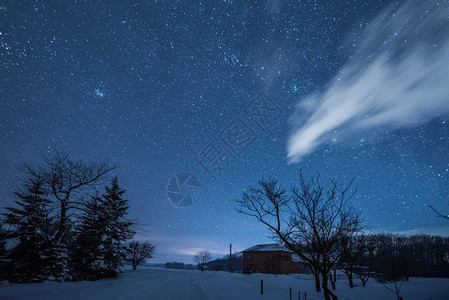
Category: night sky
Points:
column 154, row 85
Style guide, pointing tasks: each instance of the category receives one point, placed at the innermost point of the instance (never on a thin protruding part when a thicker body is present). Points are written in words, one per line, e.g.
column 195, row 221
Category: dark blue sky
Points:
column 149, row 84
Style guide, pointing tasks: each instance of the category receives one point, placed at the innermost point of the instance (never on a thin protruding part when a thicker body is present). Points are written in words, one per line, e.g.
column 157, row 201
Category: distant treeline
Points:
column 407, row 256
column 178, row 265
column 222, row 264
column 219, row 264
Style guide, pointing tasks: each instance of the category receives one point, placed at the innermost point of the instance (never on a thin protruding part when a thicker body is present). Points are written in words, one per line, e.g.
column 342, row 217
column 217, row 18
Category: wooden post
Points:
column 290, row 293
column 299, row 295
column 230, row 255
column 305, row 295
column 261, row 287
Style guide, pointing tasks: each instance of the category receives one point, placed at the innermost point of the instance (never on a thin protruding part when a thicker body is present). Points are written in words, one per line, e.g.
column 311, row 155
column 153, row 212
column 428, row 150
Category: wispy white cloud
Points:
column 398, row 77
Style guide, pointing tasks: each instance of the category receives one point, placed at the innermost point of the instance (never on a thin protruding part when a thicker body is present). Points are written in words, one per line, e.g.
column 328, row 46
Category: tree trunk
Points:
column 351, row 283
column 317, row 282
column 134, row 259
column 327, row 292
column 364, row 281
column 325, row 288
column 61, row 227
column 333, row 278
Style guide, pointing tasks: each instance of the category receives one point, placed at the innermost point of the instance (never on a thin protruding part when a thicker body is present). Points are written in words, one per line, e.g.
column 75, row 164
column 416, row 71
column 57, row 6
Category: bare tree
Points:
column 365, row 258
column 139, row 252
column 439, row 214
column 269, row 204
column 396, row 285
column 364, row 276
column 69, row 182
column 352, row 249
column 202, row 258
column 333, row 277
column 396, row 289
column 310, row 222
column 392, row 264
column 321, row 217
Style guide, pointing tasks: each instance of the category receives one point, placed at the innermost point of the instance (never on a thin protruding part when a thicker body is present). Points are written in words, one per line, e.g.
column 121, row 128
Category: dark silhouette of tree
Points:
column 31, row 225
column 63, row 229
column 3, row 259
column 352, row 249
column 415, row 256
column 222, row 264
column 310, row 222
column 365, row 258
column 391, row 267
column 202, row 258
column 119, row 227
column 102, row 241
column 139, row 252
column 333, row 277
column 439, row 214
column 68, row 182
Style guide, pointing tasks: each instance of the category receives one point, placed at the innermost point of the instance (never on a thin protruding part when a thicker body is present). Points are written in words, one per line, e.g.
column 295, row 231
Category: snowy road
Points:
column 141, row 284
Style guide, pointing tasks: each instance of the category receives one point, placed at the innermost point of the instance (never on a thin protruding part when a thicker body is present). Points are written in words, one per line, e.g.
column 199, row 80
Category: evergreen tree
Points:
column 3, row 252
column 119, row 230
column 101, row 245
column 2, row 241
column 88, row 242
column 30, row 224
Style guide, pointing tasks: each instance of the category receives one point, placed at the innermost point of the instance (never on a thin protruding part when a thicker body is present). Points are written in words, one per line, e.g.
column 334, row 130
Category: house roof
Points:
column 267, row 248
column 274, row 248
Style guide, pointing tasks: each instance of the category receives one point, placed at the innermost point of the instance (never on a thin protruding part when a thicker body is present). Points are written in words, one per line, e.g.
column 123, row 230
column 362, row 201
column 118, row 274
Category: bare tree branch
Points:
column 318, row 217
column 439, row 213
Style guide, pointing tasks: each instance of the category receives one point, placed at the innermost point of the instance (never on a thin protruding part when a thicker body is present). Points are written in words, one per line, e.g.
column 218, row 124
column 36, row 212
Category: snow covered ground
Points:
column 154, row 283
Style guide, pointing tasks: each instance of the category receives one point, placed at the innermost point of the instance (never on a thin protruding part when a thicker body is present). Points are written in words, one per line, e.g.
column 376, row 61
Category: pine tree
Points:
column 87, row 249
column 30, row 224
column 118, row 231
column 3, row 253
column 101, row 245
column 2, row 240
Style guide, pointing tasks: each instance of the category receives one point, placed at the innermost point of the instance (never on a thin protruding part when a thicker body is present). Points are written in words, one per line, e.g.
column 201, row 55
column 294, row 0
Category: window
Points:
column 270, row 256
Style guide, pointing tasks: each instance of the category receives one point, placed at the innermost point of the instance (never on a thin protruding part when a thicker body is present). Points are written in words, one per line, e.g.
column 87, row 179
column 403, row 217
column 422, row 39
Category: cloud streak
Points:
column 398, row 77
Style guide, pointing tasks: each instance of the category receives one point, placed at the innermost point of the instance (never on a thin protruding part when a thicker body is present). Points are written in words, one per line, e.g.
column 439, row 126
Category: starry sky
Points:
column 153, row 85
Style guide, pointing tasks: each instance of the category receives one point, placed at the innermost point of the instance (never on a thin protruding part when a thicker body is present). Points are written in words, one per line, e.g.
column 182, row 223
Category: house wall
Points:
column 278, row 262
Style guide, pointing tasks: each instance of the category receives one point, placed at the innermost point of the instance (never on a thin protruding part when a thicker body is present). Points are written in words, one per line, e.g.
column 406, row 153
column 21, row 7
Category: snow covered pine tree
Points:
column 101, row 244
column 30, row 223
